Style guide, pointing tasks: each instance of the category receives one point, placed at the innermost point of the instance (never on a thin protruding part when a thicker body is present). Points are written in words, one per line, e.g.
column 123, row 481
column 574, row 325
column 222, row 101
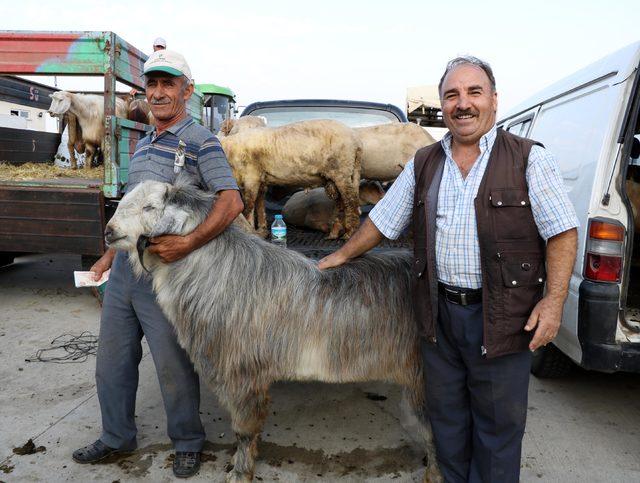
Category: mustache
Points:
column 460, row 112
column 159, row 102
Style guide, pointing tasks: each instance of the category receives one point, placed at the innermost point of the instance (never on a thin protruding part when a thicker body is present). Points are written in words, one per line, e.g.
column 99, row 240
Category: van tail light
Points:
column 605, row 248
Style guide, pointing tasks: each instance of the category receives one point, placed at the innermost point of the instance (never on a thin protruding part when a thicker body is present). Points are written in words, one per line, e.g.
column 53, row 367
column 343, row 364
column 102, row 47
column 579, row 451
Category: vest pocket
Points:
column 512, row 216
column 523, row 277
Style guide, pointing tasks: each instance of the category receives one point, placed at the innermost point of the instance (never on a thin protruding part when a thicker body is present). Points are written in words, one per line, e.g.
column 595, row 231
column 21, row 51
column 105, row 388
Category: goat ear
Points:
column 171, row 223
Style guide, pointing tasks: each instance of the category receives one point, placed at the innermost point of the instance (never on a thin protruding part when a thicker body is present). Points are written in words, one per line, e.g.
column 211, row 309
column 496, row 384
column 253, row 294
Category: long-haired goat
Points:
column 250, row 313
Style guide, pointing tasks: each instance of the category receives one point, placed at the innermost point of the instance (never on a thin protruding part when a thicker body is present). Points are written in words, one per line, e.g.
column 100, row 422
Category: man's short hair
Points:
column 470, row 60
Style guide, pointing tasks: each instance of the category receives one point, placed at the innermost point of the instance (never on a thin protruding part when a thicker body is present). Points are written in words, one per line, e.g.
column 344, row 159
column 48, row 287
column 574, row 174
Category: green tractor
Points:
column 219, row 105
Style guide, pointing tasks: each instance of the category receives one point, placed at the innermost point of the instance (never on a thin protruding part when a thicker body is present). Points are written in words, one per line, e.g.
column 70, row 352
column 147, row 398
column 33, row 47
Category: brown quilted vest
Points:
column 512, row 253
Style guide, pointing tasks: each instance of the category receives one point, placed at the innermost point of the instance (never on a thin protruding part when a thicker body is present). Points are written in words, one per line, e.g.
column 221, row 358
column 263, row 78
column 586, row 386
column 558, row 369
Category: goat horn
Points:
column 143, row 243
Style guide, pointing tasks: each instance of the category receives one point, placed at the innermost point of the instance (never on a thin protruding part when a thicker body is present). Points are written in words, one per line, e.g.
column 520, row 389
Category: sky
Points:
column 361, row 50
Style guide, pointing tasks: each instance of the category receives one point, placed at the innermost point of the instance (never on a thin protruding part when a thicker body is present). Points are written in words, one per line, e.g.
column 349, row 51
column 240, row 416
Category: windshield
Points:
column 222, row 110
column 351, row 116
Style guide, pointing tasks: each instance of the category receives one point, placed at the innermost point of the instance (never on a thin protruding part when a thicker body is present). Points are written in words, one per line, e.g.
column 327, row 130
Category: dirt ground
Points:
column 582, row 428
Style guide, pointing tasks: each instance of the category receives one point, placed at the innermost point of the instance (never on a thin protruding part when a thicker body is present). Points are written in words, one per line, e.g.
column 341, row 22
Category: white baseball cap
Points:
column 161, row 42
column 167, row 61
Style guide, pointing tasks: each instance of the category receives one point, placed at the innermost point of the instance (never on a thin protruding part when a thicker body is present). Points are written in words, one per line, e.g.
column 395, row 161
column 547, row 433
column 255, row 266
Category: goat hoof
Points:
column 236, row 477
column 433, row 475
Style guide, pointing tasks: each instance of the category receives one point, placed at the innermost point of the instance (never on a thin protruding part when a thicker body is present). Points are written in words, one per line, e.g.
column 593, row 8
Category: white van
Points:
column 589, row 121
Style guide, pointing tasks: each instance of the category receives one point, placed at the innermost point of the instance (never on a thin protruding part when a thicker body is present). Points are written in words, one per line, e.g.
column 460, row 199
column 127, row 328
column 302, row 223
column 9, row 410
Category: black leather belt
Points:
column 460, row 296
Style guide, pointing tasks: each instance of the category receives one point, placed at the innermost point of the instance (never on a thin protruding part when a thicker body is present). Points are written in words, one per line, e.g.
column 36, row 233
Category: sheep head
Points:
column 60, row 103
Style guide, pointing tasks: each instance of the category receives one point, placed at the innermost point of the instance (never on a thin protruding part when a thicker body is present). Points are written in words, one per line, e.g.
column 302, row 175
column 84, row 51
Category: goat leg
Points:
column 248, row 414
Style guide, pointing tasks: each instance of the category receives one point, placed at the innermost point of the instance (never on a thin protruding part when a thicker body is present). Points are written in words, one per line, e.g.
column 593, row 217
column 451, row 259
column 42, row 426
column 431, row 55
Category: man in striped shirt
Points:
column 475, row 353
column 130, row 309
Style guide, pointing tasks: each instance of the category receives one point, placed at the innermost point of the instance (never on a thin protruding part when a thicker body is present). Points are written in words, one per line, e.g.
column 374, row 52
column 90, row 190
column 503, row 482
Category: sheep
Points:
column 230, row 127
column 314, row 209
column 138, row 110
column 302, row 154
column 89, row 110
column 386, row 148
column 250, row 313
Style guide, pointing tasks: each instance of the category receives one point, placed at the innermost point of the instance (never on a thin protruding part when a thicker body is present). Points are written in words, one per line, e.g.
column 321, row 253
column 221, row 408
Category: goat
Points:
column 249, row 313
column 89, row 110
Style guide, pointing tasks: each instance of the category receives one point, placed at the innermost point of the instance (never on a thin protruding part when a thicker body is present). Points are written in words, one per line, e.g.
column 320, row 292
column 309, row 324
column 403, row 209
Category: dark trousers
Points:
column 477, row 406
column 130, row 311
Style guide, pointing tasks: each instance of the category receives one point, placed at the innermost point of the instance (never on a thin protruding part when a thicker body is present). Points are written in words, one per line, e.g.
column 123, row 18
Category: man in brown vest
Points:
column 492, row 223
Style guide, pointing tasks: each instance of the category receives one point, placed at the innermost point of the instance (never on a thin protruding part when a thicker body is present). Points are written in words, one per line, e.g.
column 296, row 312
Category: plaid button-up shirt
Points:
column 457, row 246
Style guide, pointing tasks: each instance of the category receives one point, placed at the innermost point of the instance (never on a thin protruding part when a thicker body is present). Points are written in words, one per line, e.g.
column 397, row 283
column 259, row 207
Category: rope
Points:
column 68, row 348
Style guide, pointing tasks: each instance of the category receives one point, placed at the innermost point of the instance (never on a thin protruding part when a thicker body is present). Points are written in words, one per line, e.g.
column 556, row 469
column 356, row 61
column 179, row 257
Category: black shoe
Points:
column 93, row 453
column 186, row 464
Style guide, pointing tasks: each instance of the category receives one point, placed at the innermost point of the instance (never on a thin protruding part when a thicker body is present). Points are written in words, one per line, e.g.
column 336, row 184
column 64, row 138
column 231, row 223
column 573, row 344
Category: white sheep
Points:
column 386, row 148
column 302, row 154
column 89, row 110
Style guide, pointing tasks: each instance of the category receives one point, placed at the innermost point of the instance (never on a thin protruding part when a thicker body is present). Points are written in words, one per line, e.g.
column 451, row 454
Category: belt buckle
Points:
column 450, row 296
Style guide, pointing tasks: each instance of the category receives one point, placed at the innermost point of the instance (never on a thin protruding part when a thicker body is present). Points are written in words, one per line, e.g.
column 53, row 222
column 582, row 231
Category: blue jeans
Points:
column 477, row 406
column 130, row 311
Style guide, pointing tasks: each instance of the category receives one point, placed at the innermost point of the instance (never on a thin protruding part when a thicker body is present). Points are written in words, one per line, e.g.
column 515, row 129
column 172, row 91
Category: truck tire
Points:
column 6, row 258
column 549, row 362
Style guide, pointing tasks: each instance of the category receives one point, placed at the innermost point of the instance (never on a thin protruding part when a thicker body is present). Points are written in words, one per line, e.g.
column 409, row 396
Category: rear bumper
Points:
column 610, row 357
column 598, row 313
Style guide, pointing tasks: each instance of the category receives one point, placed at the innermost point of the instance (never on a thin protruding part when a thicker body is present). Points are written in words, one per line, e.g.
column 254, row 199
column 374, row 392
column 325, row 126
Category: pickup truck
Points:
column 352, row 113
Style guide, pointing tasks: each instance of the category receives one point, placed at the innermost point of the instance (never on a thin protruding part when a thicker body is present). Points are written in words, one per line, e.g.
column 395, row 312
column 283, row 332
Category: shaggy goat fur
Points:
column 250, row 313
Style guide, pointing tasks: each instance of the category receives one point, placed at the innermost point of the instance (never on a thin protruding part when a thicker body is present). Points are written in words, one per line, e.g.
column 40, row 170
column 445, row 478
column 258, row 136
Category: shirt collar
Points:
column 486, row 142
column 175, row 129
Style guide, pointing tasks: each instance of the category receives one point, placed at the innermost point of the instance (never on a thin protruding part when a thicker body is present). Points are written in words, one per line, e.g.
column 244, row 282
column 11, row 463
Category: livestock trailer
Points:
column 64, row 214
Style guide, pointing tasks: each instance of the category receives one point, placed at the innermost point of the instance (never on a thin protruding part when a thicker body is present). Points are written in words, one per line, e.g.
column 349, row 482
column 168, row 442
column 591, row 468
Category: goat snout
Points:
column 110, row 235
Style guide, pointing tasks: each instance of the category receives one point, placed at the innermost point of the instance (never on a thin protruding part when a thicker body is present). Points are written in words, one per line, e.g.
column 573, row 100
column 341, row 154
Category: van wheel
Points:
column 549, row 362
column 6, row 258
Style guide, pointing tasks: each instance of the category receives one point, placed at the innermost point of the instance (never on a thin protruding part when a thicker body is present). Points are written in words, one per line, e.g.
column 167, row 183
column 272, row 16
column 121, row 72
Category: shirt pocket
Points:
column 512, row 215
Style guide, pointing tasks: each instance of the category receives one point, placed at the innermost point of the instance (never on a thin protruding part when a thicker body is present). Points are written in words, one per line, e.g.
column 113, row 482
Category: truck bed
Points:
column 313, row 243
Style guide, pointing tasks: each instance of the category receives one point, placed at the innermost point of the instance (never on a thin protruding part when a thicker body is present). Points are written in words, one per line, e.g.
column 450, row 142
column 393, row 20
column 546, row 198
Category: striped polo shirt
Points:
column 154, row 157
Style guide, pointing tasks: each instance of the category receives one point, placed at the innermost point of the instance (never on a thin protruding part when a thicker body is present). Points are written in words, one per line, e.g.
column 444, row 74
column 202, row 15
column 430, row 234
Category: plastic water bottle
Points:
column 279, row 232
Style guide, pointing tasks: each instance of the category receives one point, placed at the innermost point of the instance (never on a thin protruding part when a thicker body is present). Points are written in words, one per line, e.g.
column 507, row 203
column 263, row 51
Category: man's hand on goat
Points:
column 171, row 248
column 545, row 319
column 330, row 261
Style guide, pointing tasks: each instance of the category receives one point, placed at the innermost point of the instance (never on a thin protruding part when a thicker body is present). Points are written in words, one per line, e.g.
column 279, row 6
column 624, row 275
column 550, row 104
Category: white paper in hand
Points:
column 85, row 279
